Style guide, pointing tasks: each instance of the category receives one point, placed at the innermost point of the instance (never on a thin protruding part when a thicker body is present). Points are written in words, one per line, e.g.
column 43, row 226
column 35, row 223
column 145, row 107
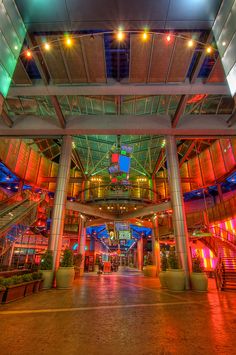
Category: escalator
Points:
column 18, row 210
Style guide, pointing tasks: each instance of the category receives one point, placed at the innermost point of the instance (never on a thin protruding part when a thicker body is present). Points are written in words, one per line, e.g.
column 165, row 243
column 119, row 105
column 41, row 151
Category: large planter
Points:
column 47, row 276
column 29, row 288
column 149, row 271
column 38, row 284
column 175, row 279
column 2, row 292
column 163, row 279
column 96, row 267
column 199, row 281
column 65, row 277
column 13, row 293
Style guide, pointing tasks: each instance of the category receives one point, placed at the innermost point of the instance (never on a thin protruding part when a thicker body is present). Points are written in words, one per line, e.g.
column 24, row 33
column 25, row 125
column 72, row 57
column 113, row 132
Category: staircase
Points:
column 228, row 273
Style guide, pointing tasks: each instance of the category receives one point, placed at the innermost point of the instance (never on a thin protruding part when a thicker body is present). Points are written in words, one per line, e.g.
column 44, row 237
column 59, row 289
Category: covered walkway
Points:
column 120, row 314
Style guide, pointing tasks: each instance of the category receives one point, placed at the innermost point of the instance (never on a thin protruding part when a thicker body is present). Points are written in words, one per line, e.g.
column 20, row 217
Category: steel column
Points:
column 59, row 206
column 156, row 246
column 82, row 247
column 140, row 253
column 179, row 217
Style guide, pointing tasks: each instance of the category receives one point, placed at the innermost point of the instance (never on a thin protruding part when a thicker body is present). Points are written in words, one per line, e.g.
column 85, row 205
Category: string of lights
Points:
column 120, row 36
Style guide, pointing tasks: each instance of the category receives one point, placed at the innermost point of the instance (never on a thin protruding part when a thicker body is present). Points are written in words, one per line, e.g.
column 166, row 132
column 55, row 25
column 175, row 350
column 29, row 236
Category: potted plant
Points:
column 46, row 265
column 29, row 284
column 38, row 280
column 198, row 277
column 175, row 275
column 15, row 288
column 66, row 273
column 77, row 263
column 149, row 269
column 2, row 289
column 162, row 273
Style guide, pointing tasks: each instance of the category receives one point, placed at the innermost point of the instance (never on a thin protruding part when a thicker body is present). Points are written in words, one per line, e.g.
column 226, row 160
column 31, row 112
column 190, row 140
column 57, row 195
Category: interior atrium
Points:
column 117, row 176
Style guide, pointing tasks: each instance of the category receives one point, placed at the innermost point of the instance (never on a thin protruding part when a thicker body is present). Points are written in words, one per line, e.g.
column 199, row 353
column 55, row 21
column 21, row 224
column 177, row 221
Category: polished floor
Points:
column 124, row 314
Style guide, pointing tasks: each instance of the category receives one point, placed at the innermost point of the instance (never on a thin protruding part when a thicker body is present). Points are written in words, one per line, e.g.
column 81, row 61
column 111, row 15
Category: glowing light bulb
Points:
column 28, row 54
column 47, row 46
column 224, row 44
column 16, row 47
column 145, row 36
column 168, row 38
column 209, row 50
column 68, row 41
column 190, row 43
column 120, row 35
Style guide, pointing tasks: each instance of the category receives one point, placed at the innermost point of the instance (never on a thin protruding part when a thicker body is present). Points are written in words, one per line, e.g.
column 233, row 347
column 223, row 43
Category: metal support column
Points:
column 156, row 246
column 59, row 207
column 179, row 217
column 140, row 253
column 82, row 247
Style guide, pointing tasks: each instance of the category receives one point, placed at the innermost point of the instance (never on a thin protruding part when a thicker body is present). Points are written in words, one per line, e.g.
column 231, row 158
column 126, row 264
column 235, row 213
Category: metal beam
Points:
column 120, row 89
column 145, row 211
column 191, row 125
column 58, row 111
column 199, row 62
column 159, row 162
column 179, row 111
column 186, row 155
column 232, row 118
column 6, row 119
column 77, row 161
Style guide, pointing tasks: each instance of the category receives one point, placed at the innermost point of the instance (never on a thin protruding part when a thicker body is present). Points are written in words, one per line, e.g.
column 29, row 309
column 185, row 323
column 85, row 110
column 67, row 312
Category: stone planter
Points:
column 175, row 279
column 38, row 284
column 199, row 281
column 65, row 277
column 163, row 279
column 150, row 271
column 47, row 276
column 2, row 292
column 14, row 292
column 29, row 288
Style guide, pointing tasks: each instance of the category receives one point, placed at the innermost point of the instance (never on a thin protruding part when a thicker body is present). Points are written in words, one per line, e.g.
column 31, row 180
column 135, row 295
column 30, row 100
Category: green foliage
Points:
column 27, row 277
column 164, row 262
column 37, row 275
column 77, row 260
column 16, row 280
column 67, row 260
column 173, row 261
column 197, row 263
column 46, row 261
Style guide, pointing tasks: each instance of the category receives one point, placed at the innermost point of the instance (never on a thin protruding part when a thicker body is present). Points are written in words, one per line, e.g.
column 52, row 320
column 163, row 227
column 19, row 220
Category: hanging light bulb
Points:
column 145, row 35
column 209, row 49
column 120, row 35
column 47, row 46
column 28, row 54
column 68, row 41
column 168, row 38
column 190, row 43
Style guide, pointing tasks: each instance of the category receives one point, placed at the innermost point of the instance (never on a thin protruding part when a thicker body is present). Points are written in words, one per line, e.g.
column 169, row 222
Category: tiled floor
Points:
column 120, row 314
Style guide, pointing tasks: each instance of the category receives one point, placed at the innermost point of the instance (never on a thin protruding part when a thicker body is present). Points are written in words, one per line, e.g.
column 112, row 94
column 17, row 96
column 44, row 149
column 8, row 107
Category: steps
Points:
column 229, row 273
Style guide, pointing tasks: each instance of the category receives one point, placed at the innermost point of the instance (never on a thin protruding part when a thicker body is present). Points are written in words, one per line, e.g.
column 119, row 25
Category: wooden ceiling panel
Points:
column 139, row 58
column 217, row 74
column 181, row 60
column 161, row 55
column 20, row 76
column 75, row 62
column 94, row 58
column 54, row 61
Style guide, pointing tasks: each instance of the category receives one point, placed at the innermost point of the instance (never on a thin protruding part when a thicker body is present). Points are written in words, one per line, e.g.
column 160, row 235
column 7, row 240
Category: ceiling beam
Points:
column 159, row 162
column 78, row 162
column 120, row 89
column 179, row 111
column 199, row 61
column 6, row 119
column 232, row 119
column 58, row 111
column 88, row 210
column 191, row 125
column 188, row 152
